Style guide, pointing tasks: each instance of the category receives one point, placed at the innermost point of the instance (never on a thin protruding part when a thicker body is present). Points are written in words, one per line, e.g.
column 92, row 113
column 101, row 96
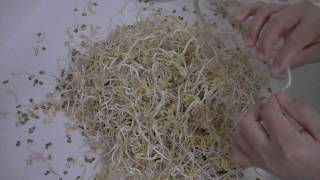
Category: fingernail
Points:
column 272, row 100
column 239, row 17
column 285, row 97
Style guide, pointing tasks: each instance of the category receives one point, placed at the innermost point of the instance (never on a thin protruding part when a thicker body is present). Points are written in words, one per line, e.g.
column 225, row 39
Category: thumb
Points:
column 304, row 114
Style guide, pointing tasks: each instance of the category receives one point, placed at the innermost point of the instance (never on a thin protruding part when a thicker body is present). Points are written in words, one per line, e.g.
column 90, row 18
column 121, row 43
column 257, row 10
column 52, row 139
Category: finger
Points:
column 252, row 130
column 248, row 12
column 308, row 55
column 304, row 114
column 240, row 142
column 303, row 35
column 239, row 156
column 259, row 20
column 278, row 24
column 278, row 127
column 286, row 33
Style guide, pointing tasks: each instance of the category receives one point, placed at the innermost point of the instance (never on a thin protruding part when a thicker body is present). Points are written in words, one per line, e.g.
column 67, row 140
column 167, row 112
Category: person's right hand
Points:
column 265, row 138
column 298, row 23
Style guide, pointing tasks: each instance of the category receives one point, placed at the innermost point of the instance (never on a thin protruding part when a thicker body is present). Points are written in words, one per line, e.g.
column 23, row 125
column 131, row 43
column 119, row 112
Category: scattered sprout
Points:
column 40, row 37
column 32, row 129
column 5, row 82
column 48, row 145
column 69, row 140
column 184, row 8
column 30, row 77
column 29, row 162
column 42, row 72
column 47, row 173
column 69, row 159
column 29, row 141
column 35, row 82
column 35, row 51
column 89, row 160
column 18, row 143
column 23, row 118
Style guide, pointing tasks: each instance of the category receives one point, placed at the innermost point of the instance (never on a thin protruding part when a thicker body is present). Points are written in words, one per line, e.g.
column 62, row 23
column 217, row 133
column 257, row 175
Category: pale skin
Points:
column 264, row 137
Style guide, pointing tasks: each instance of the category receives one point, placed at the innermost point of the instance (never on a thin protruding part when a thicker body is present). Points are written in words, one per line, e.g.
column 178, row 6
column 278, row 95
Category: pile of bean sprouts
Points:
column 158, row 100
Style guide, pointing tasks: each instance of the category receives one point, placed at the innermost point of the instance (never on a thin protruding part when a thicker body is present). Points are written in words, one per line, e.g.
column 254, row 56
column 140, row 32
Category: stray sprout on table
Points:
column 31, row 130
column 48, row 145
column 29, row 141
column 5, row 82
column 18, row 143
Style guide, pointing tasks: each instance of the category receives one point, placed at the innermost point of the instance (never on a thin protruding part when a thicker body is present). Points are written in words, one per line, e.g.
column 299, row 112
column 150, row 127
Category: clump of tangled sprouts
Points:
column 158, row 100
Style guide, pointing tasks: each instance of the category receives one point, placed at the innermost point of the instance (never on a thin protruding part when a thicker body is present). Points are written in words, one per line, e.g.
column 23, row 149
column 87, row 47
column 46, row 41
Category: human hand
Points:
column 298, row 24
column 276, row 146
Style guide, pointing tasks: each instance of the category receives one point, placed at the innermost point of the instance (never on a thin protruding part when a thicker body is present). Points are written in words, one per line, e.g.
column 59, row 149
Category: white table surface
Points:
column 20, row 21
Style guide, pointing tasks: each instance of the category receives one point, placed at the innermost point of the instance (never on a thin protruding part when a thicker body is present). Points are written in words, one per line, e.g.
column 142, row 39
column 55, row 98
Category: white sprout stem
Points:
column 187, row 45
column 289, row 83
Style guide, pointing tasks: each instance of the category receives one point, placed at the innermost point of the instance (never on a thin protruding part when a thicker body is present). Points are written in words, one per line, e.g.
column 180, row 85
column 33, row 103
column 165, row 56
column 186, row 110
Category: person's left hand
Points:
column 265, row 138
column 297, row 23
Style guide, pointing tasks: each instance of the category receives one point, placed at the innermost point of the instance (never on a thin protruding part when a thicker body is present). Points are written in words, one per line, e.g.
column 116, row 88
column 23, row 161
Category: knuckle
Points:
column 294, row 155
column 295, row 41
